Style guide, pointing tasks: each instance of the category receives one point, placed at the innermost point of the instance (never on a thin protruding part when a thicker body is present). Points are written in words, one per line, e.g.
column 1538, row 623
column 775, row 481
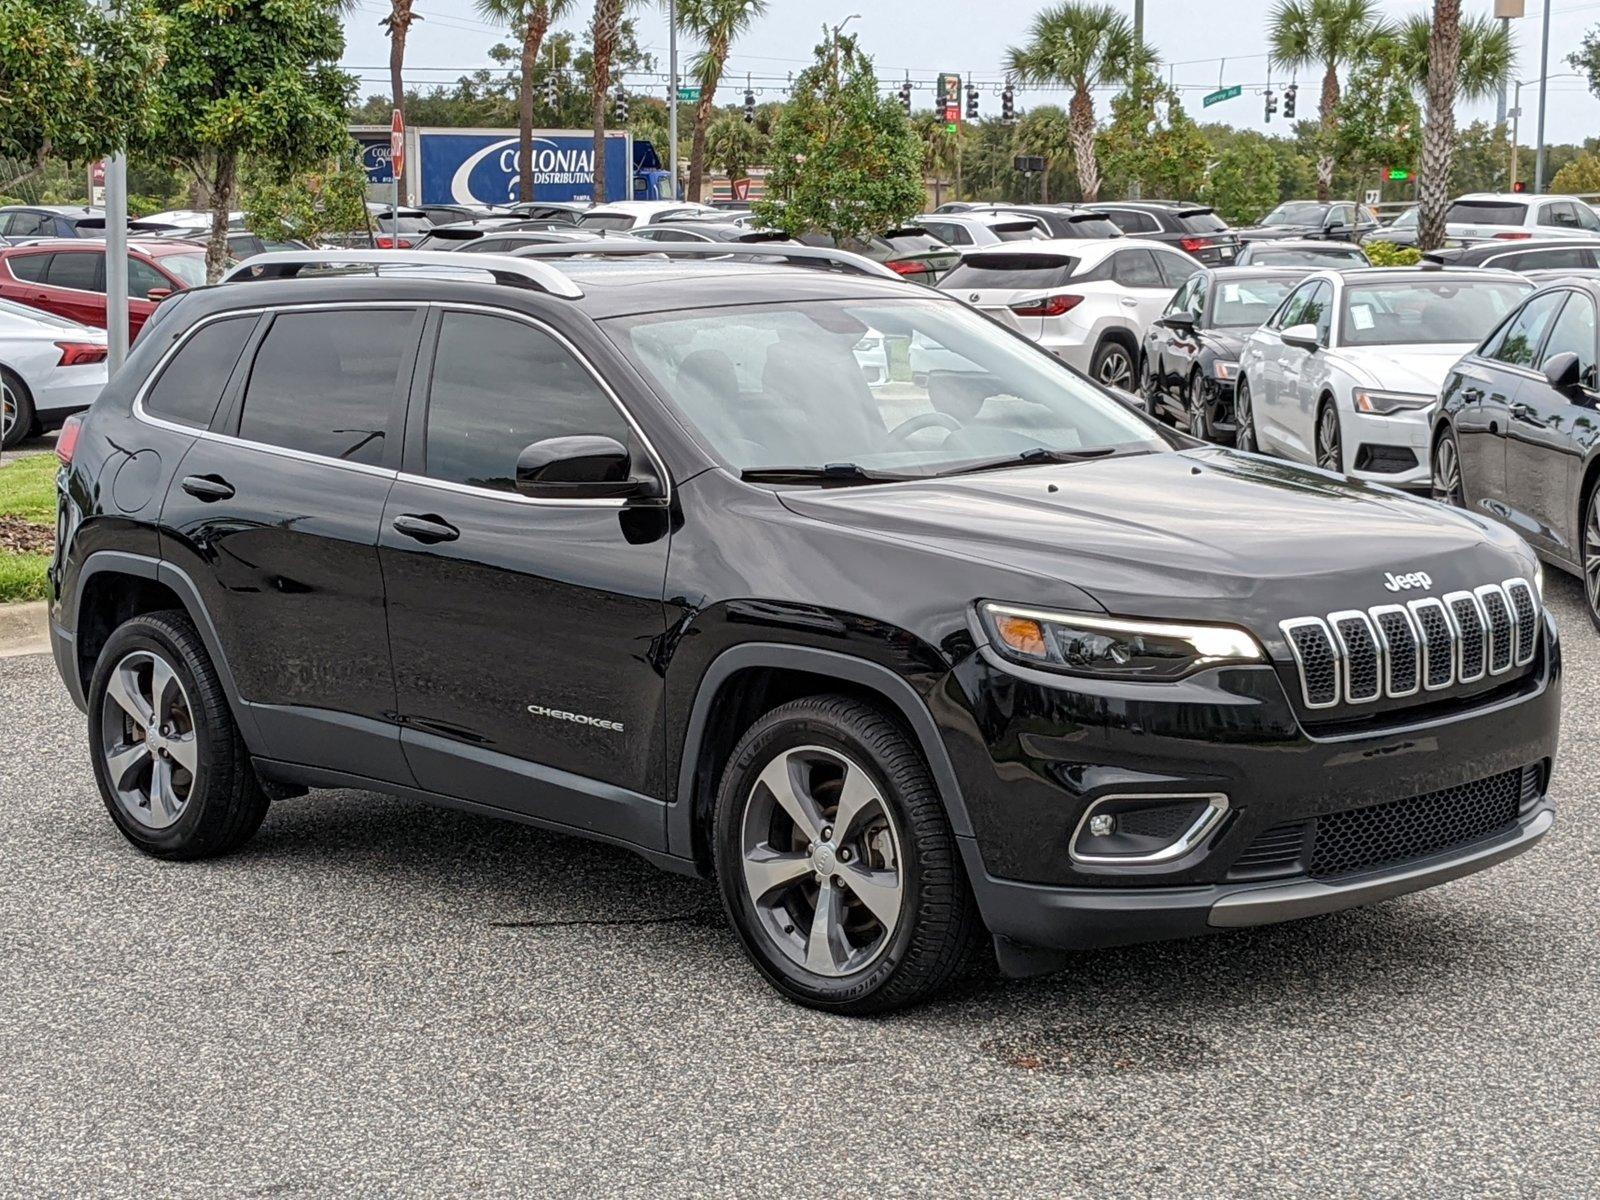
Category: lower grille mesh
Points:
column 1380, row 835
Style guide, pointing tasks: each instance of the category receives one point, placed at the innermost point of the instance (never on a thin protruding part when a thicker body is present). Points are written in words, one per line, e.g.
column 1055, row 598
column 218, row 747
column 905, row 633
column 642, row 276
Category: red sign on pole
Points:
column 397, row 144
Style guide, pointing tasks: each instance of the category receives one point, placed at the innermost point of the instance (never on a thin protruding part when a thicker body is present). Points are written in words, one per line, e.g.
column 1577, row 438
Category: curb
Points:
column 24, row 629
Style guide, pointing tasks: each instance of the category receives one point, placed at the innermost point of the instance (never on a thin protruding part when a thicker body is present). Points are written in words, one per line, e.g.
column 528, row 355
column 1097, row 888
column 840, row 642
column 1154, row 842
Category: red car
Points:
column 68, row 278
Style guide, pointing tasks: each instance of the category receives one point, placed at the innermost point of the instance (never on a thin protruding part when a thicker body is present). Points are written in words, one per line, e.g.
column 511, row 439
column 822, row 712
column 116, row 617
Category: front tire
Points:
column 1112, row 365
column 1200, row 422
column 1244, row 420
column 1591, row 556
column 1330, row 445
column 170, row 763
column 837, row 867
column 16, row 409
column 1448, row 487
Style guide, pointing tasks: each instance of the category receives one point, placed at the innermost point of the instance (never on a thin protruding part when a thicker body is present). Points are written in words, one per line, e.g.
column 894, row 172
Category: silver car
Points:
column 1346, row 373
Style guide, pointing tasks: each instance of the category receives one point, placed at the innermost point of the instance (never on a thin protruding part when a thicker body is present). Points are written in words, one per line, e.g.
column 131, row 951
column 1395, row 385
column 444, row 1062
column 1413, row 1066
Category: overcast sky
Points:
column 1201, row 42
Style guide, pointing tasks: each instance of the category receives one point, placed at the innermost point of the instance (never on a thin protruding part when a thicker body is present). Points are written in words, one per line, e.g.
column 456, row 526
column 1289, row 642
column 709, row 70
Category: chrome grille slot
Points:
column 1392, row 651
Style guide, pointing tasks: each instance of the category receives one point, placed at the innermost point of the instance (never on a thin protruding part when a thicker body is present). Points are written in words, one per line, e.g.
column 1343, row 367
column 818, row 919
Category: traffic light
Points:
column 1519, row 186
column 552, row 90
column 622, row 106
column 1288, row 101
column 1008, row 105
column 905, row 96
column 749, row 107
column 972, row 103
column 1272, row 104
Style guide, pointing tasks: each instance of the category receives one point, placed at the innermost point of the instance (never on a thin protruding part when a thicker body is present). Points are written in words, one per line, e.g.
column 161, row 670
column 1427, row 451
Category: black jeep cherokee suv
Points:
column 633, row 550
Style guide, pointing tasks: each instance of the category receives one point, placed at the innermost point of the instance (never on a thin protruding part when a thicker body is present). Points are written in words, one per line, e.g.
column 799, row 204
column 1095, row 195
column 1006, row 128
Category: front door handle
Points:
column 208, row 487
column 1522, row 412
column 1472, row 395
column 1129, row 302
column 426, row 528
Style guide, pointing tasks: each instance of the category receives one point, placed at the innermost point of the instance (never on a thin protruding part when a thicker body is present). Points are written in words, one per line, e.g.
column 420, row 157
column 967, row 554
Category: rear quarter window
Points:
column 981, row 272
column 191, row 384
column 29, row 268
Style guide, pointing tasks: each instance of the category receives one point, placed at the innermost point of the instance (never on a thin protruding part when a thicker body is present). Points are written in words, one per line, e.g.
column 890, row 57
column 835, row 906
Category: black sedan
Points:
column 1190, row 356
column 1530, row 254
column 1517, row 437
column 1336, row 220
column 1300, row 252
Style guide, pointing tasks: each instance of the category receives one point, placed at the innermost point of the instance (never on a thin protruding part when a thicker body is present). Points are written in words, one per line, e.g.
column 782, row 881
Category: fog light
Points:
column 1135, row 830
column 1102, row 825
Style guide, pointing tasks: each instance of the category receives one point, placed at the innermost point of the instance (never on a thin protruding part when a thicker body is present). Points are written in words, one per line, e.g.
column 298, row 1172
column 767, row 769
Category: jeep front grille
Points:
column 1397, row 650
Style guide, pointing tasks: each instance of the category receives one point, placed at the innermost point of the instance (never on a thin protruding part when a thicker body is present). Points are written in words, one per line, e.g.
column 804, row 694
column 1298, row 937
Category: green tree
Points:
column 1482, row 159
column 397, row 27
column 1329, row 34
column 73, row 81
column 844, row 159
column 734, row 145
column 1586, row 58
column 1151, row 141
column 1083, row 47
column 246, row 79
column 604, row 31
column 717, row 24
column 1581, row 175
column 307, row 204
column 1378, row 123
column 1243, row 182
column 531, row 20
column 1046, row 131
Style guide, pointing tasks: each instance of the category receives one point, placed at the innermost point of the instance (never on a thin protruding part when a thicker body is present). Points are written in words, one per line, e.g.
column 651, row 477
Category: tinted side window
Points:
column 1175, row 268
column 80, row 271
column 1574, row 330
column 1133, row 222
column 1135, row 269
column 329, row 383
column 190, row 385
column 1518, row 342
column 29, row 268
column 499, row 385
column 1319, row 311
column 1293, row 308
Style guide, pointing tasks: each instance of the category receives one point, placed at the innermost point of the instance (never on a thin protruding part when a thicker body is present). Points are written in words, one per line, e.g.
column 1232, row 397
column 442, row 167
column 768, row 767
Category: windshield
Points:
column 189, row 268
column 1298, row 212
column 908, row 387
column 1247, row 303
column 1407, row 219
column 605, row 221
column 1422, row 312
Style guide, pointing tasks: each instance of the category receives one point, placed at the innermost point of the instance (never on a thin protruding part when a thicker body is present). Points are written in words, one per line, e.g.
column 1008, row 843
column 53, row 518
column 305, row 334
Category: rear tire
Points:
column 16, row 409
column 872, row 915
column 1448, row 486
column 1112, row 365
column 1244, row 420
column 170, row 763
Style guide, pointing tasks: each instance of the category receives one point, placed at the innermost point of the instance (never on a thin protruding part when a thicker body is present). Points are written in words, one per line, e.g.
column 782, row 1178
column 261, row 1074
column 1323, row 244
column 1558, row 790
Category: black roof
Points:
column 1172, row 206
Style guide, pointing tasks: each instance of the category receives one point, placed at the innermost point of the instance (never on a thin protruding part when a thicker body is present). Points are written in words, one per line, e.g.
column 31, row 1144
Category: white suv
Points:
column 1086, row 300
column 1517, row 216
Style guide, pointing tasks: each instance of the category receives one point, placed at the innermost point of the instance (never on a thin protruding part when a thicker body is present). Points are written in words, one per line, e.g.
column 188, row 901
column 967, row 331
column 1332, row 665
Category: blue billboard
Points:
column 480, row 166
column 375, row 156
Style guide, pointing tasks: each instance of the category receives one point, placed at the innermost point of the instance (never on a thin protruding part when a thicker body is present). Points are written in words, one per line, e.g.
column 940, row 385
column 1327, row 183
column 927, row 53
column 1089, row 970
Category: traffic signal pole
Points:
column 672, row 92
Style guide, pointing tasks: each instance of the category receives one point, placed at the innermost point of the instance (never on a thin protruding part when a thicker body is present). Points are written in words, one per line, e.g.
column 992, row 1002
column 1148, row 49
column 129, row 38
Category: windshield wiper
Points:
column 1031, row 458
column 840, row 472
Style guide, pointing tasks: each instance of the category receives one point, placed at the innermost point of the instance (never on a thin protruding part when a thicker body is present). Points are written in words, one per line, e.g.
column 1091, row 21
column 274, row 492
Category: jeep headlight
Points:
column 1113, row 647
column 1383, row 404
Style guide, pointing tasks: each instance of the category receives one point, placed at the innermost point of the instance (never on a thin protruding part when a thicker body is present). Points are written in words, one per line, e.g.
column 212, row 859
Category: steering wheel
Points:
column 923, row 421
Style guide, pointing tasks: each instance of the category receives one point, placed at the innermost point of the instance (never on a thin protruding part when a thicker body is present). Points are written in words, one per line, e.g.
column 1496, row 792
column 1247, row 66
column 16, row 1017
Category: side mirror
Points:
column 580, row 468
column 158, row 293
column 1182, row 320
column 1301, row 337
column 1561, row 371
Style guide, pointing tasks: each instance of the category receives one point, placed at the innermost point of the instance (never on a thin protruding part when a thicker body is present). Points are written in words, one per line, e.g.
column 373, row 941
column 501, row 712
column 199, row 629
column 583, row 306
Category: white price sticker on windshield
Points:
column 1361, row 316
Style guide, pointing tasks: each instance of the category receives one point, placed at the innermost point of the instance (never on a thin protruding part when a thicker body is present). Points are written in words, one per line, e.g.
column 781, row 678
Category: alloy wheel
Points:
column 1329, row 455
column 1199, row 422
column 1116, row 369
column 821, row 860
column 147, row 738
column 8, row 409
column 1244, row 420
column 1447, row 486
column 1591, row 554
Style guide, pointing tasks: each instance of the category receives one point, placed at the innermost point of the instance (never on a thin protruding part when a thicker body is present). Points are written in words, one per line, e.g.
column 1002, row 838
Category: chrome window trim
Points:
column 1510, row 586
column 1494, row 589
column 1381, row 665
column 1416, row 607
column 1216, row 808
column 1388, row 650
column 1483, row 627
column 1334, row 648
column 142, row 414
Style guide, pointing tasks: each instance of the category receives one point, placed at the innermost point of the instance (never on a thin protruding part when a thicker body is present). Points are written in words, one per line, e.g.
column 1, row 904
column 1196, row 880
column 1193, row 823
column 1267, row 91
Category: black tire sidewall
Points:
column 25, row 410
column 1244, row 424
column 1105, row 351
column 765, row 739
column 1583, row 557
column 145, row 635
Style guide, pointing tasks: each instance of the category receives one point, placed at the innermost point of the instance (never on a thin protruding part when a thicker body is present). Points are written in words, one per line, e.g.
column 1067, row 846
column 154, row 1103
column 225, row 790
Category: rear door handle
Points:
column 1522, row 412
column 208, row 487
column 1129, row 302
column 1472, row 395
column 426, row 528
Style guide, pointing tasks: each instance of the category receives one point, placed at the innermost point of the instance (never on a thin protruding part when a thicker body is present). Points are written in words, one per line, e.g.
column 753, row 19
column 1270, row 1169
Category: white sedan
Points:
column 1346, row 373
column 50, row 368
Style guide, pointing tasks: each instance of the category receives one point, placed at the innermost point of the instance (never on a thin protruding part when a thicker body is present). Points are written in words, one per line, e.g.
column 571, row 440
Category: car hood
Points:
column 1205, row 533
column 1420, row 369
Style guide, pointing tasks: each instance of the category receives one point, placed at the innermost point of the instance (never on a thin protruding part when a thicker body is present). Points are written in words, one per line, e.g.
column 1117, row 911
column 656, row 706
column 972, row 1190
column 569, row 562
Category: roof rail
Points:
column 287, row 264
column 825, row 256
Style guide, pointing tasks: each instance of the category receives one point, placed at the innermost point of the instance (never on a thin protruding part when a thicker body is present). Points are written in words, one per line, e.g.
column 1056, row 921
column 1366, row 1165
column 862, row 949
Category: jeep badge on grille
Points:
column 1404, row 583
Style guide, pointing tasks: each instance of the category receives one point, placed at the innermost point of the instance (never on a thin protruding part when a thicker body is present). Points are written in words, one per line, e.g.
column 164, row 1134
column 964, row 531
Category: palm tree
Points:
column 1448, row 60
column 1329, row 34
column 397, row 24
column 716, row 23
column 533, row 18
column 607, row 25
column 1083, row 46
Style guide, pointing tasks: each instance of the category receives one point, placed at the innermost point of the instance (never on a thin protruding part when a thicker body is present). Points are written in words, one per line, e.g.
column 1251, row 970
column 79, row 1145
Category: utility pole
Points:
column 1134, row 189
column 1544, row 79
column 672, row 92
column 116, row 253
column 1500, row 97
column 1516, row 112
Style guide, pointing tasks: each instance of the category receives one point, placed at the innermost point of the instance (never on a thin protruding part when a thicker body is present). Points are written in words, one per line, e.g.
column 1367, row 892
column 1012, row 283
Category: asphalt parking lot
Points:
column 376, row 998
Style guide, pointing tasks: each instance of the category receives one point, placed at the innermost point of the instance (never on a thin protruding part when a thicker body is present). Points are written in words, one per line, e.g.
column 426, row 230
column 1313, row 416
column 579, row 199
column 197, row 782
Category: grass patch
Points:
column 27, row 491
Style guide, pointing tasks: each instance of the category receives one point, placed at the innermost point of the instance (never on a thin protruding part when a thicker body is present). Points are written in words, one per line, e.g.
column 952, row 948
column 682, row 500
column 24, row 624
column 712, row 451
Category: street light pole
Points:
column 1544, row 79
column 672, row 93
column 116, row 253
column 1134, row 189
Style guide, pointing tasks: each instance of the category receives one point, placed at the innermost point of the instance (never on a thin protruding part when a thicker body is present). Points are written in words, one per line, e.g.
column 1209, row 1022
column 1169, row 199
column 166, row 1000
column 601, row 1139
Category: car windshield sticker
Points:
column 1361, row 314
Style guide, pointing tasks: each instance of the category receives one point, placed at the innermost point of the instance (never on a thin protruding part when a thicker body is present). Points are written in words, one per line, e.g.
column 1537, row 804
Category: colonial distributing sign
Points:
column 455, row 166
column 1221, row 94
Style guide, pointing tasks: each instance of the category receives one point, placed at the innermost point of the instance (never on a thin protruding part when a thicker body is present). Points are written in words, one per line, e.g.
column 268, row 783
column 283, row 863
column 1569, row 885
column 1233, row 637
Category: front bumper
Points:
column 1373, row 442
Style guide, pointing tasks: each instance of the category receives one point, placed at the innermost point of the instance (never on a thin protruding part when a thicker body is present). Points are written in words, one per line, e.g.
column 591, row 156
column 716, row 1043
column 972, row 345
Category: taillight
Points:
column 389, row 243
column 906, row 266
column 1049, row 306
column 1193, row 244
column 1512, row 237
column 77, row 354
column 67, row 439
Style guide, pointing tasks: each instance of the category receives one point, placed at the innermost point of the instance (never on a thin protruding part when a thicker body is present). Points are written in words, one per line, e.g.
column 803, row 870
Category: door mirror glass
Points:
column 158, row 293
column 1179, row 319
column 1302, row 337
column 1562, row 372
column 583, row 467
